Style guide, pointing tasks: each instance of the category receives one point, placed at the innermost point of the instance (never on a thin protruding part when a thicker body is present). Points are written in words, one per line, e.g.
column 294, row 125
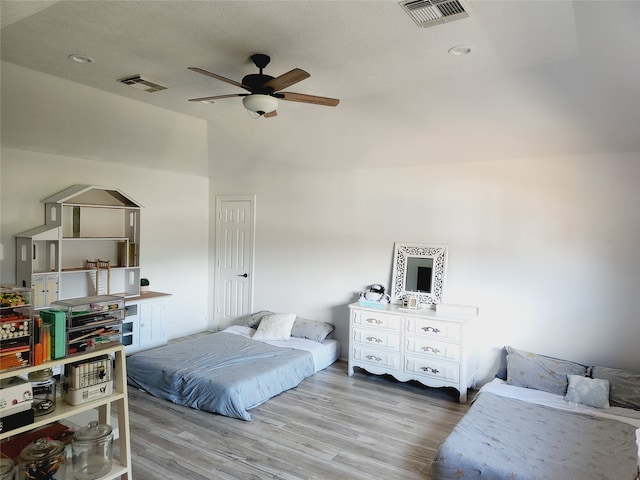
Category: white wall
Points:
column 174, row 236
column 68, row 134
column 546, row 247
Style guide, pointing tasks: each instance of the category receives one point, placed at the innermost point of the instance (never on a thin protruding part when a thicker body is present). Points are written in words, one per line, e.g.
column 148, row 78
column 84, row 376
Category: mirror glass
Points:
column 418, row 270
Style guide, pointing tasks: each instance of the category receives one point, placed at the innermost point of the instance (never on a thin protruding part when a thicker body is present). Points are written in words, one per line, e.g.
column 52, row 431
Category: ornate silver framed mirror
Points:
column 419, row 270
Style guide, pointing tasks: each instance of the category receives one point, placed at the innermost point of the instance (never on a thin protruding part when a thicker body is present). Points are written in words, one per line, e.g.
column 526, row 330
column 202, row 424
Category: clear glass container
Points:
column 6, row 468
column 43, row 460
column 44, row 391
column 92, row 451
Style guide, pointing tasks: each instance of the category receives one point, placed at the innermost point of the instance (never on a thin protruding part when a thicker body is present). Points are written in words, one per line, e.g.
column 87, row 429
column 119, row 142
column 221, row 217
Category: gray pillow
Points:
column 311, row 329
column 253, row 319
column 502, row 364
column 530, row 370
column 625, row 386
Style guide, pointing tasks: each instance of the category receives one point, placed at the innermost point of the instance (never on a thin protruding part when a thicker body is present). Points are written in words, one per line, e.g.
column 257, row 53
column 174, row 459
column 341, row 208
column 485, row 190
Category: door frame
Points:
column 220, row 199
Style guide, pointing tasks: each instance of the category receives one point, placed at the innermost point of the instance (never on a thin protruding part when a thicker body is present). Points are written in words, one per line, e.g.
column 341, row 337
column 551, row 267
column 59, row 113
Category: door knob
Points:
column 243, row 275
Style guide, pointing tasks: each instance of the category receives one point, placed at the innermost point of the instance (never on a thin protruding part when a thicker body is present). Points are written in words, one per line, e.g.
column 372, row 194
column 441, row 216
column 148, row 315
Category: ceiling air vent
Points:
column 427, row 13
column 140, row 83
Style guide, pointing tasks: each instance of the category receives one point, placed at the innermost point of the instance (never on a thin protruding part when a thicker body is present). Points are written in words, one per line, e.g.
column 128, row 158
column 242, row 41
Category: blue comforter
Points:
column 219, row 372
column 503, row 438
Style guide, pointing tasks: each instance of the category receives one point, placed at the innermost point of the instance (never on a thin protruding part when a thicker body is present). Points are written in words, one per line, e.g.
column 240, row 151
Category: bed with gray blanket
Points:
column 547, row 419
column 230, row 372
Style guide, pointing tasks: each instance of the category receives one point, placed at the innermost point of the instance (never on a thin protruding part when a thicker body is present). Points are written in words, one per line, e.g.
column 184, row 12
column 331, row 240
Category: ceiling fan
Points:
column 265, row 90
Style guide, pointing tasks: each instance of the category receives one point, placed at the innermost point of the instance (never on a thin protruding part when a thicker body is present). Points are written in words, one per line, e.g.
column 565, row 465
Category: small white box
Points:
column 16, row 395
column 87, row 394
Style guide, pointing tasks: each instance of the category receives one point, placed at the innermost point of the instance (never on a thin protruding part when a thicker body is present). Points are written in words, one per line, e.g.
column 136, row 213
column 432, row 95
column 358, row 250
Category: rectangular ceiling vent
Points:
column 140, row 83
column 427, row 13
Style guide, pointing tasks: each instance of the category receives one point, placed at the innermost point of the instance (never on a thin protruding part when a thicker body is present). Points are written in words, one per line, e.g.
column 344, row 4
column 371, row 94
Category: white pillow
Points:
column 275, row 327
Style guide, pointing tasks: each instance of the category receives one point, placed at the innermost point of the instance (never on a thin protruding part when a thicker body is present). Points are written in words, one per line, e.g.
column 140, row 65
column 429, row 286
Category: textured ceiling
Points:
column 534, row 64
column 352, row 49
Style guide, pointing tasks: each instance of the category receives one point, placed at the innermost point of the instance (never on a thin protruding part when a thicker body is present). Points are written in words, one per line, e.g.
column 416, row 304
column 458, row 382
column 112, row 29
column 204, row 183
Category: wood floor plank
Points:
column 330, row 427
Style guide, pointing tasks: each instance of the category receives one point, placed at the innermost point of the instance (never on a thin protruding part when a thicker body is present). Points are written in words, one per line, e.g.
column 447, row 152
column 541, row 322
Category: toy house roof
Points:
column 93, row 195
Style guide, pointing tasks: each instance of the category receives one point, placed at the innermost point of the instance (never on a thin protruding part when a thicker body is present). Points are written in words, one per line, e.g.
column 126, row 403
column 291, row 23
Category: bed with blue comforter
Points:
column 547, row 419
column 221, row 372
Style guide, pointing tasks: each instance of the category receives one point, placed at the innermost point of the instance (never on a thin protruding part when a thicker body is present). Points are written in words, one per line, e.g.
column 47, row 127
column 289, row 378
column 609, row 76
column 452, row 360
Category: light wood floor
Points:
column 330, row 427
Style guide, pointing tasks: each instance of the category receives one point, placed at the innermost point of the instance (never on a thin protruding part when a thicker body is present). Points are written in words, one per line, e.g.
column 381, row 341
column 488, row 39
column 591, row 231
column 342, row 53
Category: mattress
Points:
column 227, row 372
column 500, row 387
column 518, row 433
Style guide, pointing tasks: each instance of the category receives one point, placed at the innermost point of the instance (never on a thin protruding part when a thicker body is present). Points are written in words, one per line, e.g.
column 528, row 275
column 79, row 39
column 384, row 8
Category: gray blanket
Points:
column 220, row 372
column 504, row 438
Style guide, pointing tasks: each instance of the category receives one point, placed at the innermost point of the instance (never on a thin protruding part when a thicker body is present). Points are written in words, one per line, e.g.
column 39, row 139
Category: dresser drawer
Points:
column 377, row 320
column 377, row 356
column 432, row 368
column 422, row 345
column 434, row 328
column 377, row 338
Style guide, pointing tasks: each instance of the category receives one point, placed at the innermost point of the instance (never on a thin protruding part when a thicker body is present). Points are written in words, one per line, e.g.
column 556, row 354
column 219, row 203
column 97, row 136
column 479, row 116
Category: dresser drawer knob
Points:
column 374, row 320
column 374, row 339
column 429, row 369
column 431, row 349
column 373, row 357
column 431, row 329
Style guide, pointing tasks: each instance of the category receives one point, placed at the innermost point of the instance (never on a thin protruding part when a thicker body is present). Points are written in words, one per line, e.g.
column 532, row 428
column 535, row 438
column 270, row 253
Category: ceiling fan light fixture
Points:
column 260, row 103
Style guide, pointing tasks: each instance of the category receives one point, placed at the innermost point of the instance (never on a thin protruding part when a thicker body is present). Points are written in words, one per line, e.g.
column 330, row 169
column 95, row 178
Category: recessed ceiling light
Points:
column 460, row 50
column 76, row 57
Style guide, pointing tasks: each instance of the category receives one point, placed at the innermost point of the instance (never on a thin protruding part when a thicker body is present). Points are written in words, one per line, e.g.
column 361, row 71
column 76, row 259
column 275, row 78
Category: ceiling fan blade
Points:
column 215, row 97
column 270, row 114
column 286, row 79
column 301, row 97
column 219, row 77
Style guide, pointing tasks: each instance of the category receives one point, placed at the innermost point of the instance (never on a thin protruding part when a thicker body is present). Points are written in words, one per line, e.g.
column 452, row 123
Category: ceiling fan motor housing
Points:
column 256, row 81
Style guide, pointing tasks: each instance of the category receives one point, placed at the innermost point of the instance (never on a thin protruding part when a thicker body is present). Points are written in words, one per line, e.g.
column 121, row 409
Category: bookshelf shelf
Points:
column 121, row 467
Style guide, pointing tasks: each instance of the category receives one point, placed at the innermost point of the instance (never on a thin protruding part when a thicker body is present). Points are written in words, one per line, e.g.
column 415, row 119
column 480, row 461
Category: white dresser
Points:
column 437, row 350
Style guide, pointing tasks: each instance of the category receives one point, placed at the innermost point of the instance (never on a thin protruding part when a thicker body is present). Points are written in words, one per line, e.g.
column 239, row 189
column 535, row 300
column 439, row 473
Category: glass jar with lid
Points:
column 44, row 391
column 43, row 460
column 6, row 468
column 92, row 451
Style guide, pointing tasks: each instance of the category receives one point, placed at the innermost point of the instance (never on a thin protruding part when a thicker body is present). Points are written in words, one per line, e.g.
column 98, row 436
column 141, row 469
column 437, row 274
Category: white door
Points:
column 234, row 257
